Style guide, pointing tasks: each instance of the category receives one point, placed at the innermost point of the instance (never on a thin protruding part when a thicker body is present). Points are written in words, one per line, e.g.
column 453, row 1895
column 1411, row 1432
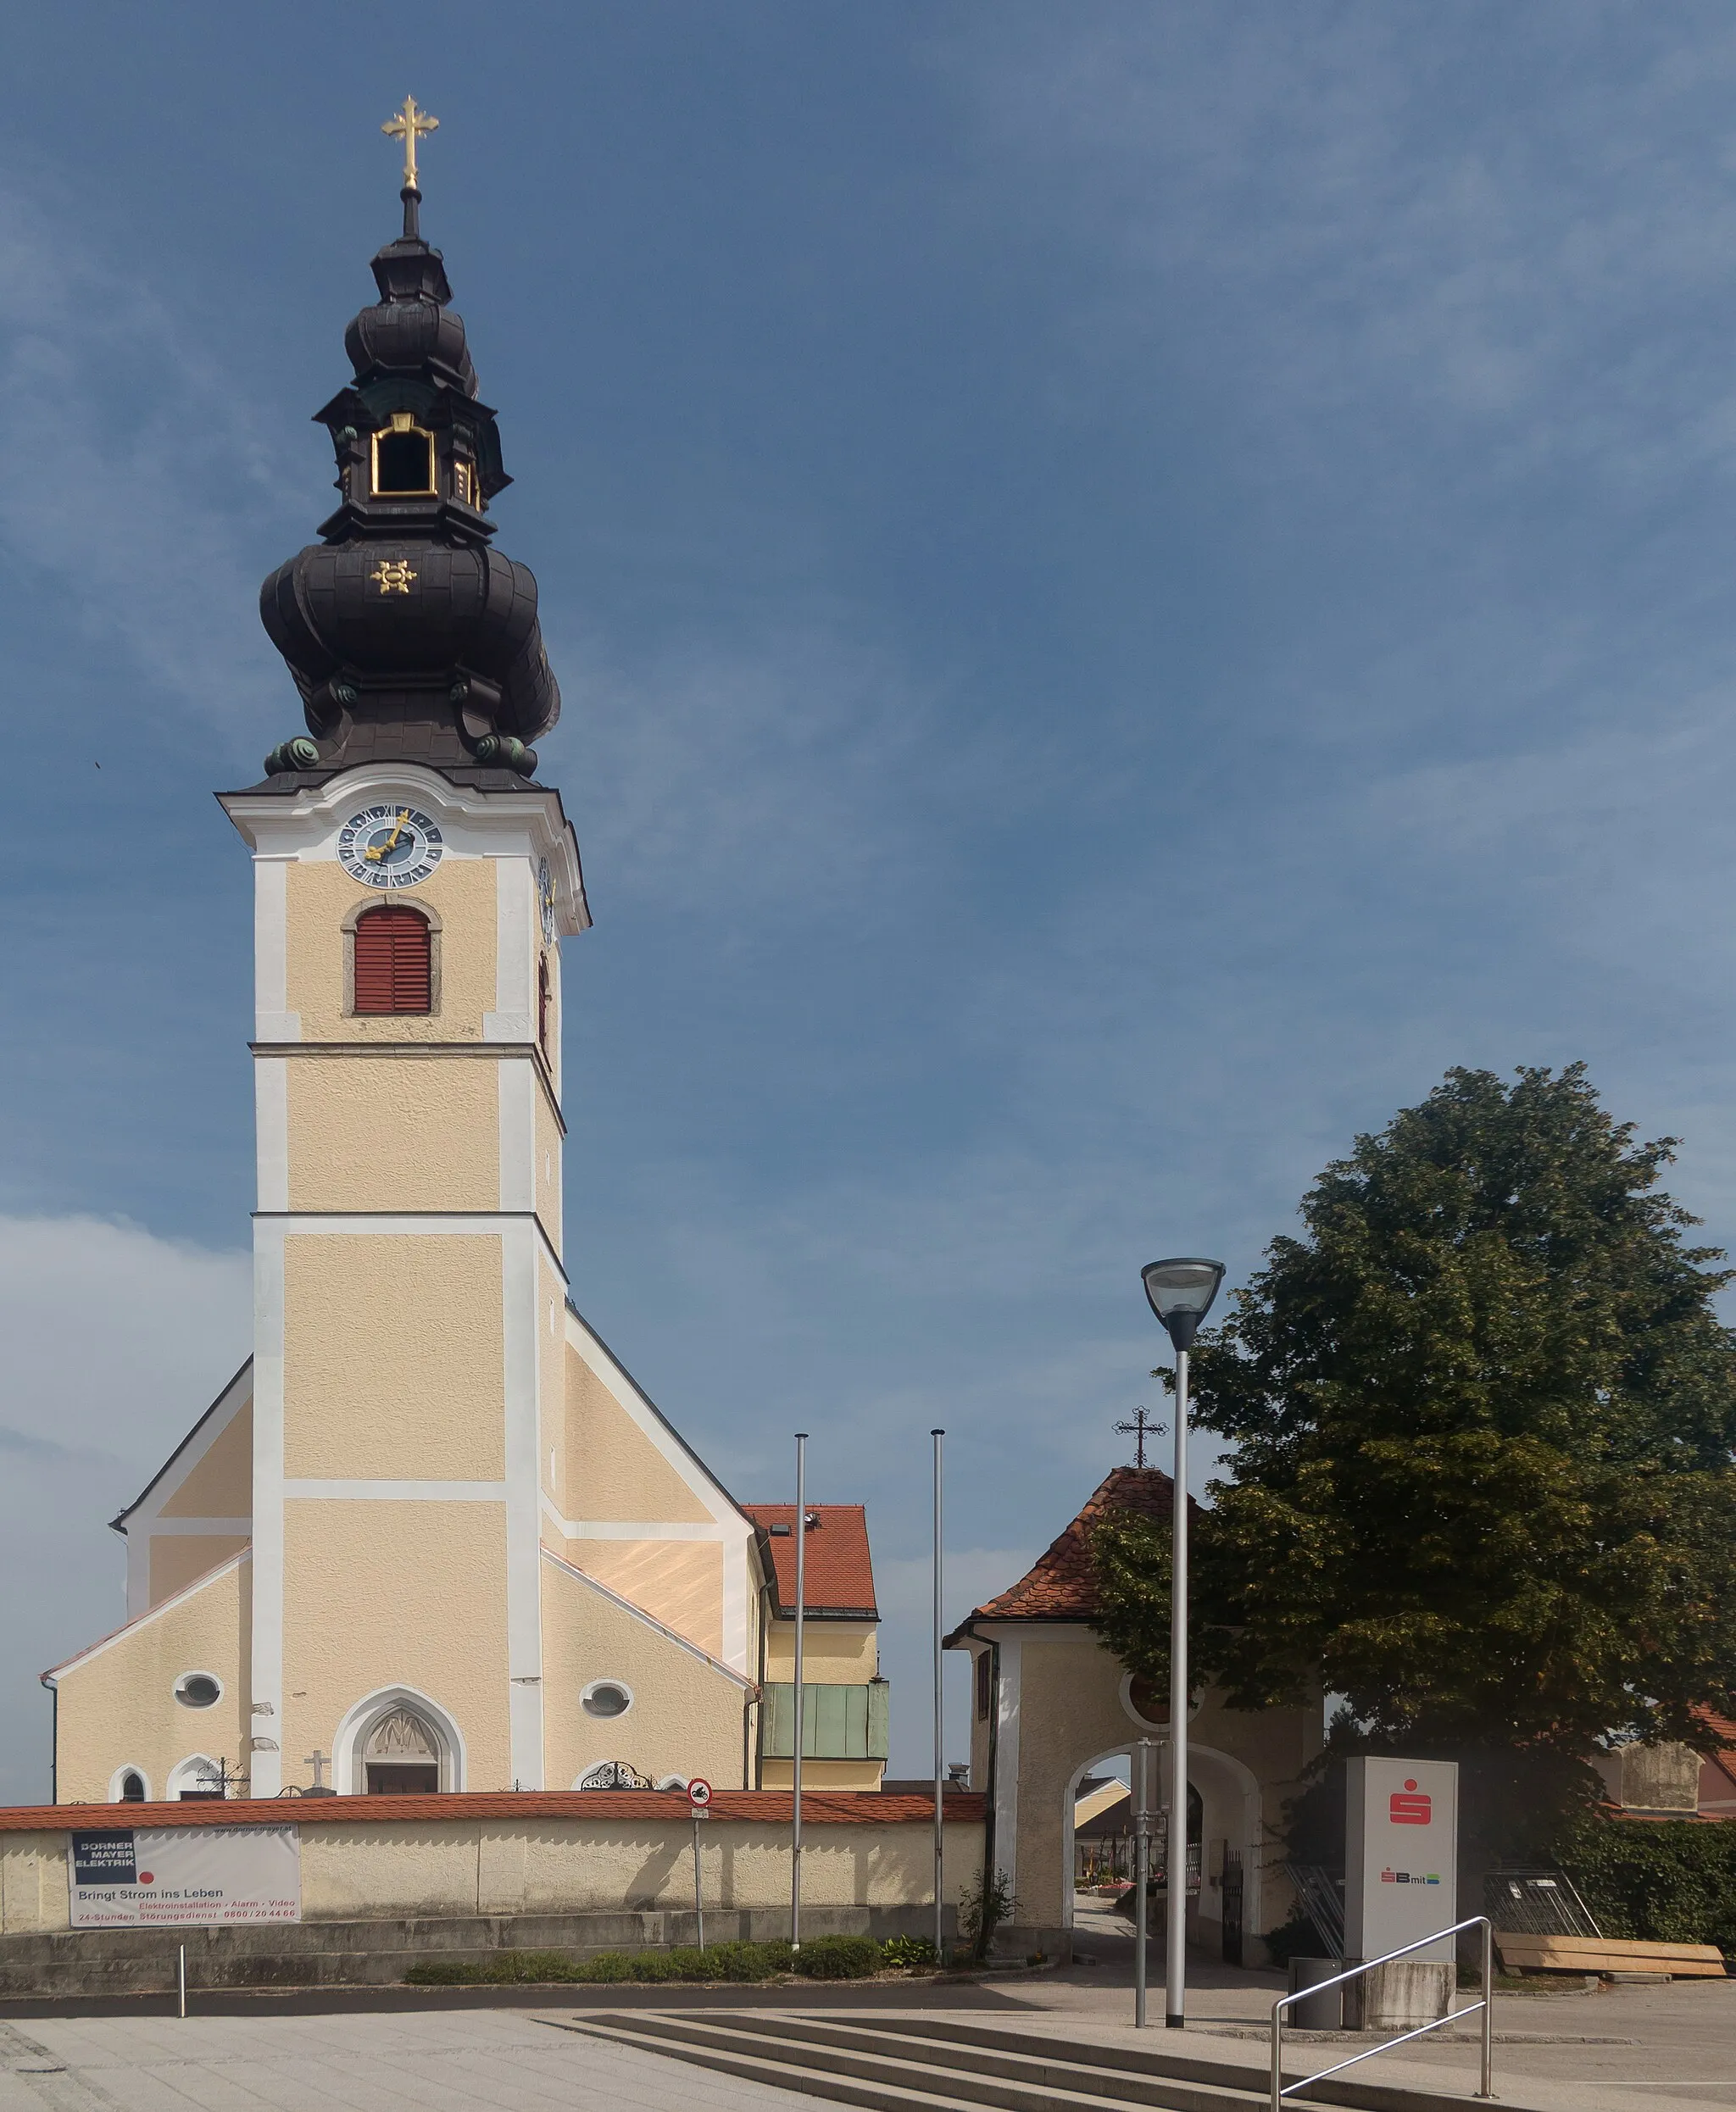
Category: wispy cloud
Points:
column 141, row 479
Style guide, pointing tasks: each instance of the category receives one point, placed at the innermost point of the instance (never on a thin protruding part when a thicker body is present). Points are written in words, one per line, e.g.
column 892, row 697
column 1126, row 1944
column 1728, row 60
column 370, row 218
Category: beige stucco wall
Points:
column 834, row 1652
column 178, row 1558
column 221, row 1486
column 687, row 1716
column 464, row 1866
column 612, row 1470
column 461, row 891
column 1652, row 1777
column 34, row 1885
column 382, row 1594
column 678, row 1581
column 393, row 1364
column 117, row 1707
column 394, row 1132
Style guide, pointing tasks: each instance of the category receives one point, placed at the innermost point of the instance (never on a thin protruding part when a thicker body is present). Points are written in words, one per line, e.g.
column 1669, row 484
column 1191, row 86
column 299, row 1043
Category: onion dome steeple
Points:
column 409, row 636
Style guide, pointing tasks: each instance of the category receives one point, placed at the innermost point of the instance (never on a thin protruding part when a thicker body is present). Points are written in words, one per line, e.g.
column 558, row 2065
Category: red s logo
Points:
column 1409, row 1811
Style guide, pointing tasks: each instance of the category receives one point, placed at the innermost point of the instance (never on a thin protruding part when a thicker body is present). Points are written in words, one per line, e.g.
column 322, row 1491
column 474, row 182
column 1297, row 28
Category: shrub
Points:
column 838, row 1958
column 828, row 1957
column 909, row 1950
column 1669, row 1881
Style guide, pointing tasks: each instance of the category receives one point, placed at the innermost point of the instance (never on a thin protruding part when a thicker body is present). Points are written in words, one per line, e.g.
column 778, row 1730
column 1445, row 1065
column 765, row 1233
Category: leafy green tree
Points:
column 1483, row 1489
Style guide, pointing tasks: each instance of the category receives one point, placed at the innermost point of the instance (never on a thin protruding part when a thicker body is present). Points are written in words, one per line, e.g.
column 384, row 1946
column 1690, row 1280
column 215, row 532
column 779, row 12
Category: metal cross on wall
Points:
column 1139, row 1429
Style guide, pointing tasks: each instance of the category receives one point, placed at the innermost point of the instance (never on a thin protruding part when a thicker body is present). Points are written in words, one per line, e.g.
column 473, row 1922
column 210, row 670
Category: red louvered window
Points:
column 394, row 962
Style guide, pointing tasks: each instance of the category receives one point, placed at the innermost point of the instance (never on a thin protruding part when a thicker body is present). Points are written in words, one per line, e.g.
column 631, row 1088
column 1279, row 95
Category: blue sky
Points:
column 1131, row 582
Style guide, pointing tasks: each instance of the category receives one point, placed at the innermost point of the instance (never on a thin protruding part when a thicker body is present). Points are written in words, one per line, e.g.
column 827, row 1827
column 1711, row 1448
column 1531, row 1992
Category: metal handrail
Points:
column 1281, row 2090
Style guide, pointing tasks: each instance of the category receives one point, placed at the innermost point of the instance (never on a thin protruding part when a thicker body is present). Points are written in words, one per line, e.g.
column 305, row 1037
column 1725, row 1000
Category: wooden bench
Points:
column 1608, row 1955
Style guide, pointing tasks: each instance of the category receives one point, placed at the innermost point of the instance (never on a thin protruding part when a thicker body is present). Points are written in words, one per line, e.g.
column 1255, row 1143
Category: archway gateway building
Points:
column 431, row 1538
column 1053, row 1706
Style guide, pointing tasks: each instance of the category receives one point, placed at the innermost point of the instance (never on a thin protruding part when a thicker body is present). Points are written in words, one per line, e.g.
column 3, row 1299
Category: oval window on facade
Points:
column 198, row 1690
column 606, row 1698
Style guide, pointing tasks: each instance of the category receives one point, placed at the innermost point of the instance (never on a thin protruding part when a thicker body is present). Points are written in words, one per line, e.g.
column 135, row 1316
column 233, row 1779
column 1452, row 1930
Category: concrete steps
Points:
column 954, row 2065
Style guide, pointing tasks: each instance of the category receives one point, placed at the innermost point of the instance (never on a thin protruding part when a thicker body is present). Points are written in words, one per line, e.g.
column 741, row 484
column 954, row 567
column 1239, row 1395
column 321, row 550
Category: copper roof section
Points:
column 839, row 1580
column 1061, row 1584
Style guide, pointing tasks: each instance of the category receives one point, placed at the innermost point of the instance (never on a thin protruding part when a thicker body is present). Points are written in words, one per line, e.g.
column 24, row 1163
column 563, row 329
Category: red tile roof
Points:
column 839, row 1574
column 1061, row 1584
column 769, row 1807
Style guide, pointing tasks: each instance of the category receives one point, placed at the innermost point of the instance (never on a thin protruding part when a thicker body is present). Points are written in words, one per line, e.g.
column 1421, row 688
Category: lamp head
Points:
column 1181, row 1292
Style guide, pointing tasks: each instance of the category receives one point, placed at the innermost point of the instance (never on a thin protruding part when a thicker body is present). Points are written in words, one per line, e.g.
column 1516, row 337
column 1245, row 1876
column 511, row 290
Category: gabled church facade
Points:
column 433, row 1537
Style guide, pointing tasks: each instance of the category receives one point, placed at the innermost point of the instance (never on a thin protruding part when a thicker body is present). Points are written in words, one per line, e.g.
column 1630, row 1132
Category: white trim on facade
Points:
column 614, row 1528
column 518, row 1088
column 143, row 1521
column 267, row 1670
column 522, row 1345
column 1006, row 1757
column 272, row 1020
column 311, row 1489
column 271, row 1130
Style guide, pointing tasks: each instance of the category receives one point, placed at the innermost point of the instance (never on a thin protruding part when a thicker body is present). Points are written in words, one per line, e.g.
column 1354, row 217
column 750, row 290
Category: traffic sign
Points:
column 698, row 1793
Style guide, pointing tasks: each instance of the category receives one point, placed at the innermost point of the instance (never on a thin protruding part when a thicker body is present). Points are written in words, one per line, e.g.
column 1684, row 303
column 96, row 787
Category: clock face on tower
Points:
column 389, row 847
column 545, row 898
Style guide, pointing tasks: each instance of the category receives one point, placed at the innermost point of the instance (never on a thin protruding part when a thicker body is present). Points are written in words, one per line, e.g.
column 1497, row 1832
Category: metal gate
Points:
column 1231, row 1894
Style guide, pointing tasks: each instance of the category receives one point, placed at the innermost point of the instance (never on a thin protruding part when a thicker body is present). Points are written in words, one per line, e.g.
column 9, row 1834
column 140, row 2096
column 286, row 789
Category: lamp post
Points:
column 1181, row 1292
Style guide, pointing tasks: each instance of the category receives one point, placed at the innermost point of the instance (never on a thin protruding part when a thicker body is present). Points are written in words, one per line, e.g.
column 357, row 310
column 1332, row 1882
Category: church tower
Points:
column 411, row 880
column 433, row 1538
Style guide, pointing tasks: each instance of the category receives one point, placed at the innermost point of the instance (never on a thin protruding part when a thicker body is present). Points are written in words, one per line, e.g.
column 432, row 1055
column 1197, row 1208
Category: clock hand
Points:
column 379, row 851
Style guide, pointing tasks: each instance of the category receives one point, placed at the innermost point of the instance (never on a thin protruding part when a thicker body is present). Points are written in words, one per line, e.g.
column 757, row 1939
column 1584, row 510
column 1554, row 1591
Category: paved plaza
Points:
column 1617, row 2049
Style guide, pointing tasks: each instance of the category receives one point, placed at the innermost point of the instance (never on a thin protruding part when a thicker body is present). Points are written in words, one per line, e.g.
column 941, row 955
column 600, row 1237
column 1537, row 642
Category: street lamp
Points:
column 1181, row 1292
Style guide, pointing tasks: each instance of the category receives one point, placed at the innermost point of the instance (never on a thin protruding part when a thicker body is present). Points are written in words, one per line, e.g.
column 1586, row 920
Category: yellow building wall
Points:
column 394, row 1133
column 686, row 1717
column 834, row 1652
column 221, row 1486
column 380, row 1594
column 393, row 1356
column 680, row 1582
column 117, row 1709
column 613, row 1471
column 463, row 891
column 177, row 1559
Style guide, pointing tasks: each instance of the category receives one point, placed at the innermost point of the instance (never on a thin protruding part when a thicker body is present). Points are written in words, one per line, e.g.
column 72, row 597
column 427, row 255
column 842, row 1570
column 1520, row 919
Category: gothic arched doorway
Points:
column 397, row 1743
column 401, row 1755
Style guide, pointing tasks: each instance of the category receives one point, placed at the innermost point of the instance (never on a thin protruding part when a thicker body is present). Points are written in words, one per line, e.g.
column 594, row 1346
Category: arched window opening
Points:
column 394, row 960
column 401, row 1756
column 544, row 992
column 404, row 460
column 132, row 1787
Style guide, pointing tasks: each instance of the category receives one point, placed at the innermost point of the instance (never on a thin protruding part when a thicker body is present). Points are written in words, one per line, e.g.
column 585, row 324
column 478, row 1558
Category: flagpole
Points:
column 796, row 1766
column 939, row 1437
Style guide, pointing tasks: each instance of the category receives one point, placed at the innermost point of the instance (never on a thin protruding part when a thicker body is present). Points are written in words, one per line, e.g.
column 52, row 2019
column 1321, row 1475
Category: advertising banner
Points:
column 1401, row 1845
column 155, row 1878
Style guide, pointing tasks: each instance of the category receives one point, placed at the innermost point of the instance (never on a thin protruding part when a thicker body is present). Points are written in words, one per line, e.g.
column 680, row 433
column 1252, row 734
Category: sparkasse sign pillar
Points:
column 1401, row 1845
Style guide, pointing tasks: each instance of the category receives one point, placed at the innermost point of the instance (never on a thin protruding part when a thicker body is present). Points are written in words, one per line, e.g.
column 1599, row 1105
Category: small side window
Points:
column 198, row 1690
column 132, row 1787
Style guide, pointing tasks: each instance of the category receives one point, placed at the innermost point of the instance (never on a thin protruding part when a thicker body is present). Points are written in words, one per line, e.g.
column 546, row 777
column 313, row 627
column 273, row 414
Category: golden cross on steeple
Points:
column 409, row 125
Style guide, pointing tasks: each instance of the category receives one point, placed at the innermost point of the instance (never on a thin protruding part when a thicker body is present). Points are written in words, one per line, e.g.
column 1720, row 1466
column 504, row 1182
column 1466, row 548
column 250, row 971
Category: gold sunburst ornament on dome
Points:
column 409, row 126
